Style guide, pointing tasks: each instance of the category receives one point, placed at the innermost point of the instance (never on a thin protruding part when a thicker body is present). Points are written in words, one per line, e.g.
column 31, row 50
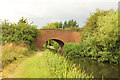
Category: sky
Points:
column 42, row 12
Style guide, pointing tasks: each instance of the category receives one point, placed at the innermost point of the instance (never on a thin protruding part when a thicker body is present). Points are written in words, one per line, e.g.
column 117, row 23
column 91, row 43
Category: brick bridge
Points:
column 60, row 36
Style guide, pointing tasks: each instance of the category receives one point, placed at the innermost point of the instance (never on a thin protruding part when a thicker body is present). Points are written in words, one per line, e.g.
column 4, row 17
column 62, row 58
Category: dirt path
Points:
column 39, row 53
column 33, row 67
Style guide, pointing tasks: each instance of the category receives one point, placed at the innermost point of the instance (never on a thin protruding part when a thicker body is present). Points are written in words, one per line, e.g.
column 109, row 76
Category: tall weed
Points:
column 61, row 68
column 11, row 52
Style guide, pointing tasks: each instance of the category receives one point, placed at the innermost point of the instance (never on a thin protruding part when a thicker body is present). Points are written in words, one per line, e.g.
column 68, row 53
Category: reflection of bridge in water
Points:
column 60, row 36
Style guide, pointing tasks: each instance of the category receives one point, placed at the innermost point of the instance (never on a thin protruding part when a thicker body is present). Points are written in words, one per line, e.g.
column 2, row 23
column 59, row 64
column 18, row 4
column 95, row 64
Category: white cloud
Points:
column 52, row 10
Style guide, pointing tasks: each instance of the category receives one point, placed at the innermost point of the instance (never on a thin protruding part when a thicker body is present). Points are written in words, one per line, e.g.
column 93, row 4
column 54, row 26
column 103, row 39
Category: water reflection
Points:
column 99, row 70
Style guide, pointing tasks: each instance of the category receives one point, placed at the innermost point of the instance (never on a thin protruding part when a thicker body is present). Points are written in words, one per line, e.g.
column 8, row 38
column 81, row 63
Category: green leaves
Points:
column 102, row 35
column 61, row 68
column 20, row 32
column 56, row 46
column 54, row 25
column 73, row 50
column 70, row 25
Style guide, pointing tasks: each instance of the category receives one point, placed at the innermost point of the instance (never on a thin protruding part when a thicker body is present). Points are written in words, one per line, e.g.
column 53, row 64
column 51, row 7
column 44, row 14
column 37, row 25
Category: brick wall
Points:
column 60, row 36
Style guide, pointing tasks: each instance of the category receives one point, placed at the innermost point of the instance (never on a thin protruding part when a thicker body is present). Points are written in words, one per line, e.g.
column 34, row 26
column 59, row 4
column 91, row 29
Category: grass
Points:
column 10, row 68
column 60, row 67
column 44, row 64
column 12, row 52
column 33, row 67
column 12, row 55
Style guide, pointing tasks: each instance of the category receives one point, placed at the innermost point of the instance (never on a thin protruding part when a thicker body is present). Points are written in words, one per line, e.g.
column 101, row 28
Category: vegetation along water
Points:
column 98, row 54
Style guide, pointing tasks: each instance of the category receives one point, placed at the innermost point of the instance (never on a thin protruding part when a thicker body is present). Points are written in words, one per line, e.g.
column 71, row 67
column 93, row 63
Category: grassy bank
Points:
column 12, row 52
column 46, row 64
column 60, row 67
column 32, row 67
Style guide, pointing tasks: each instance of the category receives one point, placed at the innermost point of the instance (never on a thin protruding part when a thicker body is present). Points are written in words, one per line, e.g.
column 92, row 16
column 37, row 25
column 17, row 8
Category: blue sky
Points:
column 42, row 12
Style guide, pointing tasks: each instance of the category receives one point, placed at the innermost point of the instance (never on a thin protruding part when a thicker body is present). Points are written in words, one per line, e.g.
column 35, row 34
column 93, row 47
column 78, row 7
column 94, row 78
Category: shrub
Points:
column 102, row 39
column 74, row 50
column 20, row 32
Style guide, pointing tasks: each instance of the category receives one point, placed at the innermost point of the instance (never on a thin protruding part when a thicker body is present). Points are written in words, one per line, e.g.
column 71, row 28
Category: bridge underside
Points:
column 59, row 42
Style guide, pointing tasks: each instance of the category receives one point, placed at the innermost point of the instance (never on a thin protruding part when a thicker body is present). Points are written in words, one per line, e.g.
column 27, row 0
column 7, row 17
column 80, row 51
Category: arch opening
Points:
column 52, row 43
column 59, row 42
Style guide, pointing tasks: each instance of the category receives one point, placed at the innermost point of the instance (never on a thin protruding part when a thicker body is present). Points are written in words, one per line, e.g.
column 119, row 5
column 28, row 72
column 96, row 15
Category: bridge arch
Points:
column 60, row 36
column 59, row 41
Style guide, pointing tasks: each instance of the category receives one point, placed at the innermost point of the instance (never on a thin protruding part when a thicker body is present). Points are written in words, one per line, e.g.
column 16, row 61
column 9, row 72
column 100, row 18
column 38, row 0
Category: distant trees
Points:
column 70, row 25
column 65, row 25
column 54, row 25
column 60, row 25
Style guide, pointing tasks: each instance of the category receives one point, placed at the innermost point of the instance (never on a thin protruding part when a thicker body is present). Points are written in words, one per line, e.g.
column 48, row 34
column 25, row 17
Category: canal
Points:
column 98, row 69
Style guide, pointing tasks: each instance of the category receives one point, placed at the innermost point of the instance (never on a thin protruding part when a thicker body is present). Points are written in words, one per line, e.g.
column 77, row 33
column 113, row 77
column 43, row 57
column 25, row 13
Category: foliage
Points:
column 91, row 23
column 73, row 29
column 73, row 50
column 51, row 43
column 61, row 68
column 102, row 38
column 11, row 52
column 0, row 32
column 54, row 25
column 56, row 46
column 20, row 32
column 43, row 66
column 44, row 45
column 70, row 25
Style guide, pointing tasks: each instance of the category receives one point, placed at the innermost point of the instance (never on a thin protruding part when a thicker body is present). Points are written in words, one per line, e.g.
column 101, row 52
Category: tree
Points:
column 23, row 20
column 91, row 23
column 54, row 25
column 72, row 23
column 60, row 25
column 102, row 38
column 20, row 32
column 65, row 25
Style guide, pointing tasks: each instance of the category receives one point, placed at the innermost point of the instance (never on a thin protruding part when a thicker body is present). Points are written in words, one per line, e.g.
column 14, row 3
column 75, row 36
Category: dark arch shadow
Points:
column 59, row 42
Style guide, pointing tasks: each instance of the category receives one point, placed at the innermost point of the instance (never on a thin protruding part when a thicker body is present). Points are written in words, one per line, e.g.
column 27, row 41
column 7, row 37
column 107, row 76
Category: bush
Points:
column 74, row 50
column 102, row 39
column 20, row 32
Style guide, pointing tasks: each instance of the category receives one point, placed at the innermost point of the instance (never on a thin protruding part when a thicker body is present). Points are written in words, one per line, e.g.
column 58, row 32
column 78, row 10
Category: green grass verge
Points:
column 12, row 52
column 35, row 67
column 60, row 67
column 46, row 64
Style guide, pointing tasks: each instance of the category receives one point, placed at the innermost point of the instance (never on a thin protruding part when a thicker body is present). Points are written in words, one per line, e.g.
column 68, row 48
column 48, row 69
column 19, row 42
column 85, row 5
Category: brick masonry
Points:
column 60, row 36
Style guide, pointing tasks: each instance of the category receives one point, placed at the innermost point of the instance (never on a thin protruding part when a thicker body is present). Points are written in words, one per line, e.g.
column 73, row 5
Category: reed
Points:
column 60, row 67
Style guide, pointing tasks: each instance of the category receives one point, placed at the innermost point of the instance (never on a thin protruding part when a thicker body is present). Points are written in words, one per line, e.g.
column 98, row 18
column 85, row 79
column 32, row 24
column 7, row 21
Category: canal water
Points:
column 98, row 69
